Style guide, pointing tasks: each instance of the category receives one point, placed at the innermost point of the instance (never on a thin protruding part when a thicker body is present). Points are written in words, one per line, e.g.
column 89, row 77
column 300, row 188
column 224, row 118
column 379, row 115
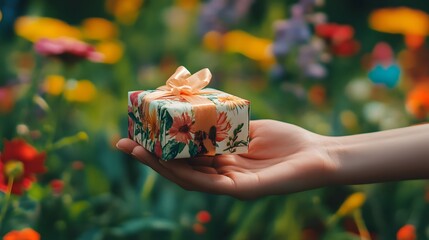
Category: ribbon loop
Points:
column 183, row 83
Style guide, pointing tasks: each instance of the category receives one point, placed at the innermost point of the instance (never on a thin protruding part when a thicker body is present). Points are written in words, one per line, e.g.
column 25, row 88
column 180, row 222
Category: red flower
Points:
column 182, row 128
column 198, row 228
column 407, row 232
column 222, row 127
column 67, row 49
column 24, row 234
column 78, row 165
column 22, row 161
column 57, row 186
column 203, row 216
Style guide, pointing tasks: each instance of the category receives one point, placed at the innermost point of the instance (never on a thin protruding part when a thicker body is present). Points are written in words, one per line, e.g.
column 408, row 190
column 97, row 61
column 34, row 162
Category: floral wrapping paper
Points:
column 166, row 129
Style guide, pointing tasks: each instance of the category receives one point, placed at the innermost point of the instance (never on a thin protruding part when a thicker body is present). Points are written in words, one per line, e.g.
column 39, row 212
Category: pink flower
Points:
column 158, row 149
column 130, row 124
column 134, row 99
column 222, row 127
column 182, row 128
column 67, row 49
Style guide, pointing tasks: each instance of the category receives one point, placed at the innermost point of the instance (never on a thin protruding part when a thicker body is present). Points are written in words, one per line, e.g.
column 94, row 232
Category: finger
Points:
column 126, row 145
column 202, row 161
column 203, row 169
column 213, row 183
column 150, row 160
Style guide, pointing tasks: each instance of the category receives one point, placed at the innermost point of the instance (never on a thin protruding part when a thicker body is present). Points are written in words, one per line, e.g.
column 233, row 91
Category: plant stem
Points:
column 363, row 231
column 7, row 200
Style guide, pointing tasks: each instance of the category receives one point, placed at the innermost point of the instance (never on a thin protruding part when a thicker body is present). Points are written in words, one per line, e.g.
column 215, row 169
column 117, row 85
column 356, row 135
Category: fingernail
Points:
column 121, row 148
column 136, row 157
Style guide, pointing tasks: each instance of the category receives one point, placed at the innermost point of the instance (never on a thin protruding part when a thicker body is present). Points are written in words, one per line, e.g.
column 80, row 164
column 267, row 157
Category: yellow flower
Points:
column 112, row 51
column 250, row 46
column 213, row 40
column 232, row 102
column 125, row 11
column 401, row 20
column 353, row 202
column 99, row 29
column 80, row 91
column 35, row 28
column 54, row 84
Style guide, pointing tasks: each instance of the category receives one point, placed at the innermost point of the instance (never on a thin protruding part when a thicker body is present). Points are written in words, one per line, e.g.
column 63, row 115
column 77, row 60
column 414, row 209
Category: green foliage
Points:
column 109, row 195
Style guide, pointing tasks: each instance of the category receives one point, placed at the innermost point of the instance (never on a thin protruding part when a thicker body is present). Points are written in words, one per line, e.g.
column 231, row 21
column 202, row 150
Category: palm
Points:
column 281, row 158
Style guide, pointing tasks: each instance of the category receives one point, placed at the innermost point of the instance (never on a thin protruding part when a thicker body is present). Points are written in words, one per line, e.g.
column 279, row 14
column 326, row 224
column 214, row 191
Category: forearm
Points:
column 381, row 156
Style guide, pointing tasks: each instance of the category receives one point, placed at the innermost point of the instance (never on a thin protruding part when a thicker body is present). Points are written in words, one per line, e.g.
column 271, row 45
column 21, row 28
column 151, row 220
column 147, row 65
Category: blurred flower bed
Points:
column 334, row 67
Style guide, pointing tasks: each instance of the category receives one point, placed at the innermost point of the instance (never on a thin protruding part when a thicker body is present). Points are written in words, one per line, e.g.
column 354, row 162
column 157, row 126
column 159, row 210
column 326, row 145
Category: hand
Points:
column 282, row 158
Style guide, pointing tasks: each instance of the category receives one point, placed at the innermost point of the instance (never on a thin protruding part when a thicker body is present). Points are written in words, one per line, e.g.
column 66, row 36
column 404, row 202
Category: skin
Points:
column 285, row 158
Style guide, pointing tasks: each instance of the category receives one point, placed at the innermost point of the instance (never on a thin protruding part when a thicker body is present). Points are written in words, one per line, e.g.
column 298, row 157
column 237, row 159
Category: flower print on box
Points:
column 179, row 121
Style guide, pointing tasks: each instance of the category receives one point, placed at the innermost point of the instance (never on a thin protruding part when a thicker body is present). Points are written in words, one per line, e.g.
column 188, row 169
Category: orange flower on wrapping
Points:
column 150, row 122
column 21, row 161
column 24, row 234
column 233, row 102
column 182, row 128
column 222, row 127
column 407, row 232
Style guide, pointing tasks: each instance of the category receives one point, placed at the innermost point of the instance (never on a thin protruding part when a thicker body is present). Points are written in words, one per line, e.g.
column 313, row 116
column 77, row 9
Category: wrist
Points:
column 392, row 155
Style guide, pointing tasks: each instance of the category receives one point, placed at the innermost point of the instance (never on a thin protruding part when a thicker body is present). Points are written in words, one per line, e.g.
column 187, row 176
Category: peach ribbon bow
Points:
column 188, row 87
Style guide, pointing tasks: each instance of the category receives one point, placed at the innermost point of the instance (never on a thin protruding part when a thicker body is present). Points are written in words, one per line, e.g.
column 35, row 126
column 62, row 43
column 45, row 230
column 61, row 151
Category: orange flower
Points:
column 222, row 127
column 111, row 50
column 24, row 234
column 7, row 99
column 182, row 128
column 125, row 11
column 80, row 91
column 54, row 84
column 150, row 122
column 232, row 102
column 417, row 102
column 99, row 29
column 407, row 232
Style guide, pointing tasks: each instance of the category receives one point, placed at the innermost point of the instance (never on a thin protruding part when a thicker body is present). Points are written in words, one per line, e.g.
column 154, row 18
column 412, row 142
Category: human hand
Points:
column 282, row 158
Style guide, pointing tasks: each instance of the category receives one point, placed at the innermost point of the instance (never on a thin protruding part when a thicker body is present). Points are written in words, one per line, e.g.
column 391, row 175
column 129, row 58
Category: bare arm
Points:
column 397, row 154
column 284, row 158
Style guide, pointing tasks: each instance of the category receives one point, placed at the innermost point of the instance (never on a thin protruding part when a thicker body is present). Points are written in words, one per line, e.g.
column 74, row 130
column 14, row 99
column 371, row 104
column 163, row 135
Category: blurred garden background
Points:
column 333, row 67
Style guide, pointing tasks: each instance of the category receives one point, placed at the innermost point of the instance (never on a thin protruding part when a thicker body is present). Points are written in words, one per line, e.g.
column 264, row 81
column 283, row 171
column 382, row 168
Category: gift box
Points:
column 182, row 119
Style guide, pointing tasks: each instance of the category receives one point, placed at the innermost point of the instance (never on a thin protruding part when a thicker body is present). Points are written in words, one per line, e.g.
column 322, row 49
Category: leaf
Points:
column 238, row 129
column 96, row 180
column 168, row 120
column 137, row 225
column 171, row 149
column 133, row 117
column 193, row 149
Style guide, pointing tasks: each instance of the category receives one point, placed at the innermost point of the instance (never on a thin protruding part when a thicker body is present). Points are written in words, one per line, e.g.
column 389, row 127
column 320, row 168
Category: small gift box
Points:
column 183, row 120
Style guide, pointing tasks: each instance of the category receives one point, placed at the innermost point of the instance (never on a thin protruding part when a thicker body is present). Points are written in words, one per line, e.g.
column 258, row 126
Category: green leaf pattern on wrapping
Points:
column 171, row 149
column 232, row 144
column 193, row 149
